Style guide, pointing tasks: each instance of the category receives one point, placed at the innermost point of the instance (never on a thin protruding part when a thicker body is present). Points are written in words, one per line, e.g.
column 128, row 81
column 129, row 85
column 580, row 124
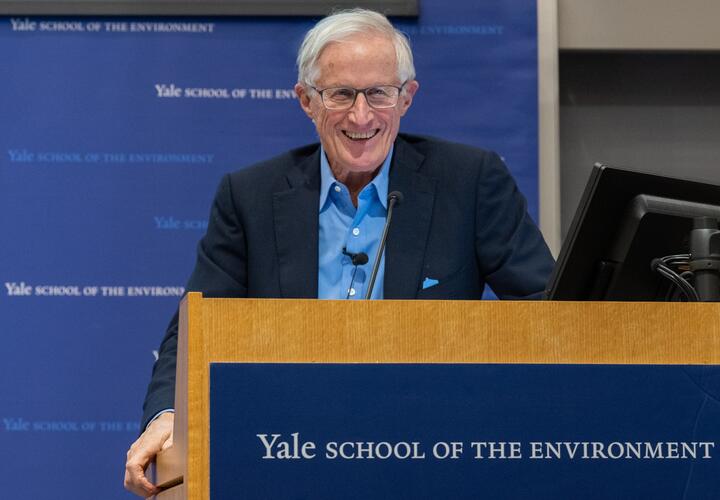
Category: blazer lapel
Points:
column 295, row 214
column 408, row 234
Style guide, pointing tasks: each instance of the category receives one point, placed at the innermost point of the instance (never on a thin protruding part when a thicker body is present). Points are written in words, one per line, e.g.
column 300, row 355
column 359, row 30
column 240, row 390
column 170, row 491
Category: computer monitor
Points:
column 624, row 221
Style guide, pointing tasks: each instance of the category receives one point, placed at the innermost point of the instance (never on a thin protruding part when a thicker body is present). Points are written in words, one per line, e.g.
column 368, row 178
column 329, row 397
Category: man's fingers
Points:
column 158, row 436
column 137, row 483
column 139, row 486
column 139, row 456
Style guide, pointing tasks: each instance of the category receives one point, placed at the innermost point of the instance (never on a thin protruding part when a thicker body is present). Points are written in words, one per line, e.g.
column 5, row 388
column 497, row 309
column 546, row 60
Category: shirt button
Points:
column 356, row 231
column 338, row 189
column 351, row 292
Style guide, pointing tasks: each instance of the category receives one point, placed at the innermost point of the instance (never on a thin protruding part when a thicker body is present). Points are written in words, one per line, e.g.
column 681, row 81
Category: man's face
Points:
column 358, row 139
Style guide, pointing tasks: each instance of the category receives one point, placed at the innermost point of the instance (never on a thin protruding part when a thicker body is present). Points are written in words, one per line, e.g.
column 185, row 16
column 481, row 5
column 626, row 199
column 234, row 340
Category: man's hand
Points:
column 157, row 437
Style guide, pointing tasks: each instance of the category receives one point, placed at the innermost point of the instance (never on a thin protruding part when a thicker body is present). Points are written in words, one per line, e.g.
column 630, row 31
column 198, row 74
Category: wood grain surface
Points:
column 313, row 331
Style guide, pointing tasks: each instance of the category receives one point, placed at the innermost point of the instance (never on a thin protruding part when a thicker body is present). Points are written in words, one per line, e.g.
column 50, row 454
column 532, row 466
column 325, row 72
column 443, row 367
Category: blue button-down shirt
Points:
column 342, row 225
column 339, row 220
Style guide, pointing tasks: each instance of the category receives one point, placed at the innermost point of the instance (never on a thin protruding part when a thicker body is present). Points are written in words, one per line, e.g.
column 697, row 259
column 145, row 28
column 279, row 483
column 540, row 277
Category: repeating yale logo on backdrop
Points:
column 116, row 133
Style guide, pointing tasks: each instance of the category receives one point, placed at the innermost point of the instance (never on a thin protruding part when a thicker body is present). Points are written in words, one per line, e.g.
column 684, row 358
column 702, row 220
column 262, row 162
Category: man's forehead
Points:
column 376, row 46
column 369, row 58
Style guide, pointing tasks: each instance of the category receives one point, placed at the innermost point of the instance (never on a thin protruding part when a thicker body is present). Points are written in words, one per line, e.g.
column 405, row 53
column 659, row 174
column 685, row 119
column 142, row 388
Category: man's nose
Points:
column 361, row 111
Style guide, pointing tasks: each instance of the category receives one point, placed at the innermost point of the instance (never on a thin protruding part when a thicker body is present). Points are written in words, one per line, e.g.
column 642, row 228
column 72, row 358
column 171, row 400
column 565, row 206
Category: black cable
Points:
column 352, row 281
column 677, row 279
column 676, row 260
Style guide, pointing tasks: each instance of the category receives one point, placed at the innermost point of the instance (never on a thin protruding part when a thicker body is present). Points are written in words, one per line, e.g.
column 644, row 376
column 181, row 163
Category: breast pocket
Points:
column 461, row 284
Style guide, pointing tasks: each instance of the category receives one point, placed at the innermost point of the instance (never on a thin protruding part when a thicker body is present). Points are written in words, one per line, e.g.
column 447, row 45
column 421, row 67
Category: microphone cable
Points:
column 357, row 259
column 662, row 266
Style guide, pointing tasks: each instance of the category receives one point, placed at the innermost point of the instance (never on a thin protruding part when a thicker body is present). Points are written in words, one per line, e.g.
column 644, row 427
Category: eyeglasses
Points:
column 342, row 98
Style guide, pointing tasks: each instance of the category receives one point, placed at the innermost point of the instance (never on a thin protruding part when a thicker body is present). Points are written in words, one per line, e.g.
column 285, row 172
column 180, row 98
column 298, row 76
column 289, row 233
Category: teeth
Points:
column 360, row 135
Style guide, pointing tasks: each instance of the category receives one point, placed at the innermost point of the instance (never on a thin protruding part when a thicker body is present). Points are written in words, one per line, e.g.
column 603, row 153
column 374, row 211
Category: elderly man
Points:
column 293, row 225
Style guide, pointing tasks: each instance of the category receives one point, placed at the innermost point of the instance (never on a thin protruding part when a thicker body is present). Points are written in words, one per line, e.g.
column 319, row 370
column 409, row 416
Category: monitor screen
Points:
column 624, row 222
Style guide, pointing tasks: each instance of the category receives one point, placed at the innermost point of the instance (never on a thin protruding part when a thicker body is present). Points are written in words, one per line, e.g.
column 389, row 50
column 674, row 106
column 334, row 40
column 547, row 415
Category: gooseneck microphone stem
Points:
column 394, row 198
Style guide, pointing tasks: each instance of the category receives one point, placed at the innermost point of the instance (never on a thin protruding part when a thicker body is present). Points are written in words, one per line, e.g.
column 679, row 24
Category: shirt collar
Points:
column 381, row 180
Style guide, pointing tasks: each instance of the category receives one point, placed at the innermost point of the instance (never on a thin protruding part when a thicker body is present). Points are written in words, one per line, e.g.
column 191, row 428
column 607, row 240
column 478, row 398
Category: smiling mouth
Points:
column 361, row 136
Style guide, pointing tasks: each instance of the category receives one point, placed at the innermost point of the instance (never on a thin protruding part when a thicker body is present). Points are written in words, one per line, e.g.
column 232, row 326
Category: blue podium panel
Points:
column 325, row 431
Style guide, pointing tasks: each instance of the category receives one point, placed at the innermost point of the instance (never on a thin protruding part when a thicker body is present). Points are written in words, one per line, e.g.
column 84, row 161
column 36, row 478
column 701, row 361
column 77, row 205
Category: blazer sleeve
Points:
column 511, row 251
column 220, row 271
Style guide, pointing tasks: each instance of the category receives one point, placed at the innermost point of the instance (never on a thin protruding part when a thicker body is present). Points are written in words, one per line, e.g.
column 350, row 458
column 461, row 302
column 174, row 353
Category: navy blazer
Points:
column 462, row 222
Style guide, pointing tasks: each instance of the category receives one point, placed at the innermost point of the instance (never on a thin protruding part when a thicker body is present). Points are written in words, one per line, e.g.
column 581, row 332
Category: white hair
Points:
column 346, row 24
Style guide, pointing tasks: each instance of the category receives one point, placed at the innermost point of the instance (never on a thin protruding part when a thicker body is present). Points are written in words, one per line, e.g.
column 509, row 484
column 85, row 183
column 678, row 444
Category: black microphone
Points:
column 394, row 198
column 358, row 259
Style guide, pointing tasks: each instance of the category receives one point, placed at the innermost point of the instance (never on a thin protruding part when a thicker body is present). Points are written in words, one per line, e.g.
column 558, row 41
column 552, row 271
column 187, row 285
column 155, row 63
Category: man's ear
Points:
column 406, row 96
column 304, row 99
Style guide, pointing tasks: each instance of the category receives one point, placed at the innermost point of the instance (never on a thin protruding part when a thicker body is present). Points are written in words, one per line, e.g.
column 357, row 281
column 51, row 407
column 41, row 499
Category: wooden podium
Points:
column 314, row 331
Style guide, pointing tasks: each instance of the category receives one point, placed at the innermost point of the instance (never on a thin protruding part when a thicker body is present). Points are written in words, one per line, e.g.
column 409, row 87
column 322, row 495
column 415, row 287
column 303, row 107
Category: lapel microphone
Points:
column 357, row 259
column 394, row 198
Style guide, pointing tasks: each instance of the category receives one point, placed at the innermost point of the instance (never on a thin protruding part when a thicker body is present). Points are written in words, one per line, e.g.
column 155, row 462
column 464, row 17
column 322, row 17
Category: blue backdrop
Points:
column 113, row 137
